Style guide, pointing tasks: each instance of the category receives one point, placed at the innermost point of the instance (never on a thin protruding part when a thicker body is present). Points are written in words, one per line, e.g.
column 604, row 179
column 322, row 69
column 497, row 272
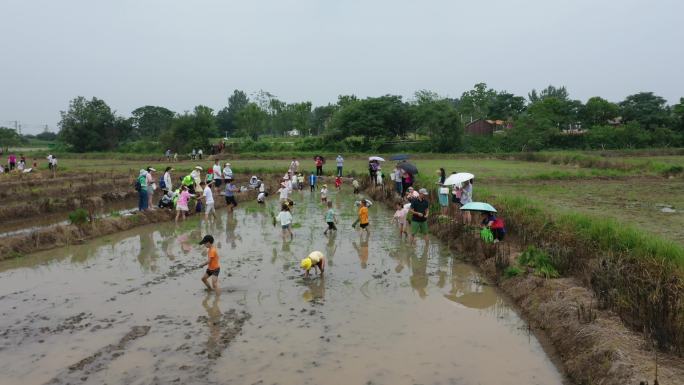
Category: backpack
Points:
column 162, row 184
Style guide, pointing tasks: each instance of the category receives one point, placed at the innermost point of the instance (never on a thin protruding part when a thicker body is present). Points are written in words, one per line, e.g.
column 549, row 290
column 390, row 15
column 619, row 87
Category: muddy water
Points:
column 130, row 309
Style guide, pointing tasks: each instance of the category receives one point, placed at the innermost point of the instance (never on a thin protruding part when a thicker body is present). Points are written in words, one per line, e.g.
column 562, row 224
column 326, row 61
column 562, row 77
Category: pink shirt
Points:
column 184, row 198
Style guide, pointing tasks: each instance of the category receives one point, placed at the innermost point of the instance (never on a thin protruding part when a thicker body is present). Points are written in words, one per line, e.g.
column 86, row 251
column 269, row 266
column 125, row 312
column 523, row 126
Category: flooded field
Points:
column 130, row 309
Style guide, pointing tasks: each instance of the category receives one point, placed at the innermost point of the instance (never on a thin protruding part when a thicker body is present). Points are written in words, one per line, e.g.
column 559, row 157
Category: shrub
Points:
column 512, row 271
column 78, row 217
column 539, row 261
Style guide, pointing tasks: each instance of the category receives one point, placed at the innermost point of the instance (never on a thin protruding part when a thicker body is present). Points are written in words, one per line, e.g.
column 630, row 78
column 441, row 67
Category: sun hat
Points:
column 306, row 263
column 207, row 239
column 423, row 191
column 151, row 169
column 198, row 168
column 228, row 164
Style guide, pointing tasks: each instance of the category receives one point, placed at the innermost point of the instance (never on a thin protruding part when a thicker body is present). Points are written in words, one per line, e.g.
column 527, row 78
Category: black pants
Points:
column 319, row 170
column 313, row 187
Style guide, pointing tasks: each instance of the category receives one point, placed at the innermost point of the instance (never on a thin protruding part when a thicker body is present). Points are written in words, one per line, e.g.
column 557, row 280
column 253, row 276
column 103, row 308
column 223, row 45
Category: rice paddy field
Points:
column 629, row 189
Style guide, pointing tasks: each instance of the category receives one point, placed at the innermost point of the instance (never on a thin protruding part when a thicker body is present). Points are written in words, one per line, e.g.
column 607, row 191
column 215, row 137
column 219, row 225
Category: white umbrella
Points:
column 379, row 159
column 458, row 178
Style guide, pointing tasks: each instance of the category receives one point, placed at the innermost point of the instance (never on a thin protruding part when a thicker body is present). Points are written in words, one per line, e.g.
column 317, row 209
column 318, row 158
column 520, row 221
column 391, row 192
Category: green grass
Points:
column 607, row 234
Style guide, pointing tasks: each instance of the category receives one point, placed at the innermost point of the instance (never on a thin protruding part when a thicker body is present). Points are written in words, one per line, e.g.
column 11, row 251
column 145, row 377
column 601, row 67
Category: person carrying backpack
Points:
column 141, row 188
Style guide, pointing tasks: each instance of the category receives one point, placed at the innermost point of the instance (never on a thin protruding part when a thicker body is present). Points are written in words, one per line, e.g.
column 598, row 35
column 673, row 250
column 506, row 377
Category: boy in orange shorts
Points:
column 212, row 264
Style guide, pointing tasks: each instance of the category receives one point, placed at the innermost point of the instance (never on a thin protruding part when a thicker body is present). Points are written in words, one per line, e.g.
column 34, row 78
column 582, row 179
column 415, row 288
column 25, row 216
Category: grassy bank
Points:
column 638, row 275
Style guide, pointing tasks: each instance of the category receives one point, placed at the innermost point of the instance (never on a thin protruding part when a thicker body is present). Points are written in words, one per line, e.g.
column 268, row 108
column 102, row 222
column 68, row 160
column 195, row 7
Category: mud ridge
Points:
column 64, row 235
column 79, row 372
column 592, row 345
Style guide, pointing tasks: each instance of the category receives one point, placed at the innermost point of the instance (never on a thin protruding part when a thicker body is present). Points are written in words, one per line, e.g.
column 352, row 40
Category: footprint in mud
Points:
column 79, row 372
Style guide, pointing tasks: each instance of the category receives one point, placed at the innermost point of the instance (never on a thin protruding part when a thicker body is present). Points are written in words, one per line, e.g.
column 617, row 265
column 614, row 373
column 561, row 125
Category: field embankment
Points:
column 614, row 284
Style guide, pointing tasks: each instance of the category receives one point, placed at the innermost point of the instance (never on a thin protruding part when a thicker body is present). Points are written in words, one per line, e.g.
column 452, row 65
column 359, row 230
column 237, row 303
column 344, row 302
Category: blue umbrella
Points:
column 400, row 157
column 479, row 206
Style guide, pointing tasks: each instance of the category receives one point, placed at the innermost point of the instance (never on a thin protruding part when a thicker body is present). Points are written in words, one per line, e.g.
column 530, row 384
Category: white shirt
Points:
column 227, row 173
column 196, row 176
column 167, row 181
column 284, row 192
column 208, row 195
column 217, row 171
column 324, row 193
column 262, row 188
column 285, row 218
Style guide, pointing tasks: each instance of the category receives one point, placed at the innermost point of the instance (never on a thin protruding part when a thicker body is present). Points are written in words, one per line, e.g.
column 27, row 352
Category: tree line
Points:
column 547, row 118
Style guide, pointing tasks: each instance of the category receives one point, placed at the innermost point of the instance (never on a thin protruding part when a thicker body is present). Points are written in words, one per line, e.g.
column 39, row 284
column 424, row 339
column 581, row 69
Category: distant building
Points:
column 294, row 132
column 481, row 127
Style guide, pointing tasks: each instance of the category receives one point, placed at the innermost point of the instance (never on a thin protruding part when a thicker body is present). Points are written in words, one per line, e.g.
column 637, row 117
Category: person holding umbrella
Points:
column 467, row 197
column 420, row 210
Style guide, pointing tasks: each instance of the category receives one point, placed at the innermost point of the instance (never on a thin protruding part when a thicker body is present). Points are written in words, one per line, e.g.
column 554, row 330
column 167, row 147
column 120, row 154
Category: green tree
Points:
column 151, row 121
column 90, row 125
column 440, row 121
column 190, row 130
column 598, row 111
column 321, row 117
column 647, row 109
column 9, row 137
column 382, row 117
column 560, row 93
column 475, row 104
column 678, row 116
column 226, row 117
column 504, row 105
column 251, row 121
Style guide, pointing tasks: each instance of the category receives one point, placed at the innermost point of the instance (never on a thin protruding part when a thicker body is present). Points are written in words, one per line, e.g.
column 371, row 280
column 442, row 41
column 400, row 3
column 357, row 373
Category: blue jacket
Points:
column 312, row 179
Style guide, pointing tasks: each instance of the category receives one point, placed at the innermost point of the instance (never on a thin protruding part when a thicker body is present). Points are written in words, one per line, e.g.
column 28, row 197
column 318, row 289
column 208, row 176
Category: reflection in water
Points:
column 315, row 289
column 419, row 280
column 147, row 256
column 213, row 322
column 331, row 247
column 468, row 289
column 231, row 236
column 362, row 250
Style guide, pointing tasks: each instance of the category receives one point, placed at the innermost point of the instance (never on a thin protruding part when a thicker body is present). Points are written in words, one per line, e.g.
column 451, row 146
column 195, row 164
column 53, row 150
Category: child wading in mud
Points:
column 330, row 219
column 212, row 264
column 315, row 259
column 285, row 219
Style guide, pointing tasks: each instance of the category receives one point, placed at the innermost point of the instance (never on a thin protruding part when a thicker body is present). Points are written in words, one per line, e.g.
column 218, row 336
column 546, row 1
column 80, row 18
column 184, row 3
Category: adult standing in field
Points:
column 200, row 153
column 196, row 176
column 12, row 161
column 166, row 181
column 340, row 164
column 193, row 155
column 312, row 181
column 406, row 180
column 442, row 192
column 227, row 172
column 420, row 210
column 231, row 189
column 218, row 175
column 319, row 165
column 168, row 154
column 149, row 177
column 294, row 166
column 467, row 197
column 141, row 187
column 397, row 174
column 49, row 159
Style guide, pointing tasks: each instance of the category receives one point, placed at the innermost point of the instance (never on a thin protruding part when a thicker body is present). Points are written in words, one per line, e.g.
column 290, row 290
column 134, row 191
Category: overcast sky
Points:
column 180, row 53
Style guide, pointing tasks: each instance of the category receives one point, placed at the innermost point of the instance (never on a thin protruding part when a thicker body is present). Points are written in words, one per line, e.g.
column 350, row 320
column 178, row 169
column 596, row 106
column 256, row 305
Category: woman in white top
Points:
column 168, row 185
